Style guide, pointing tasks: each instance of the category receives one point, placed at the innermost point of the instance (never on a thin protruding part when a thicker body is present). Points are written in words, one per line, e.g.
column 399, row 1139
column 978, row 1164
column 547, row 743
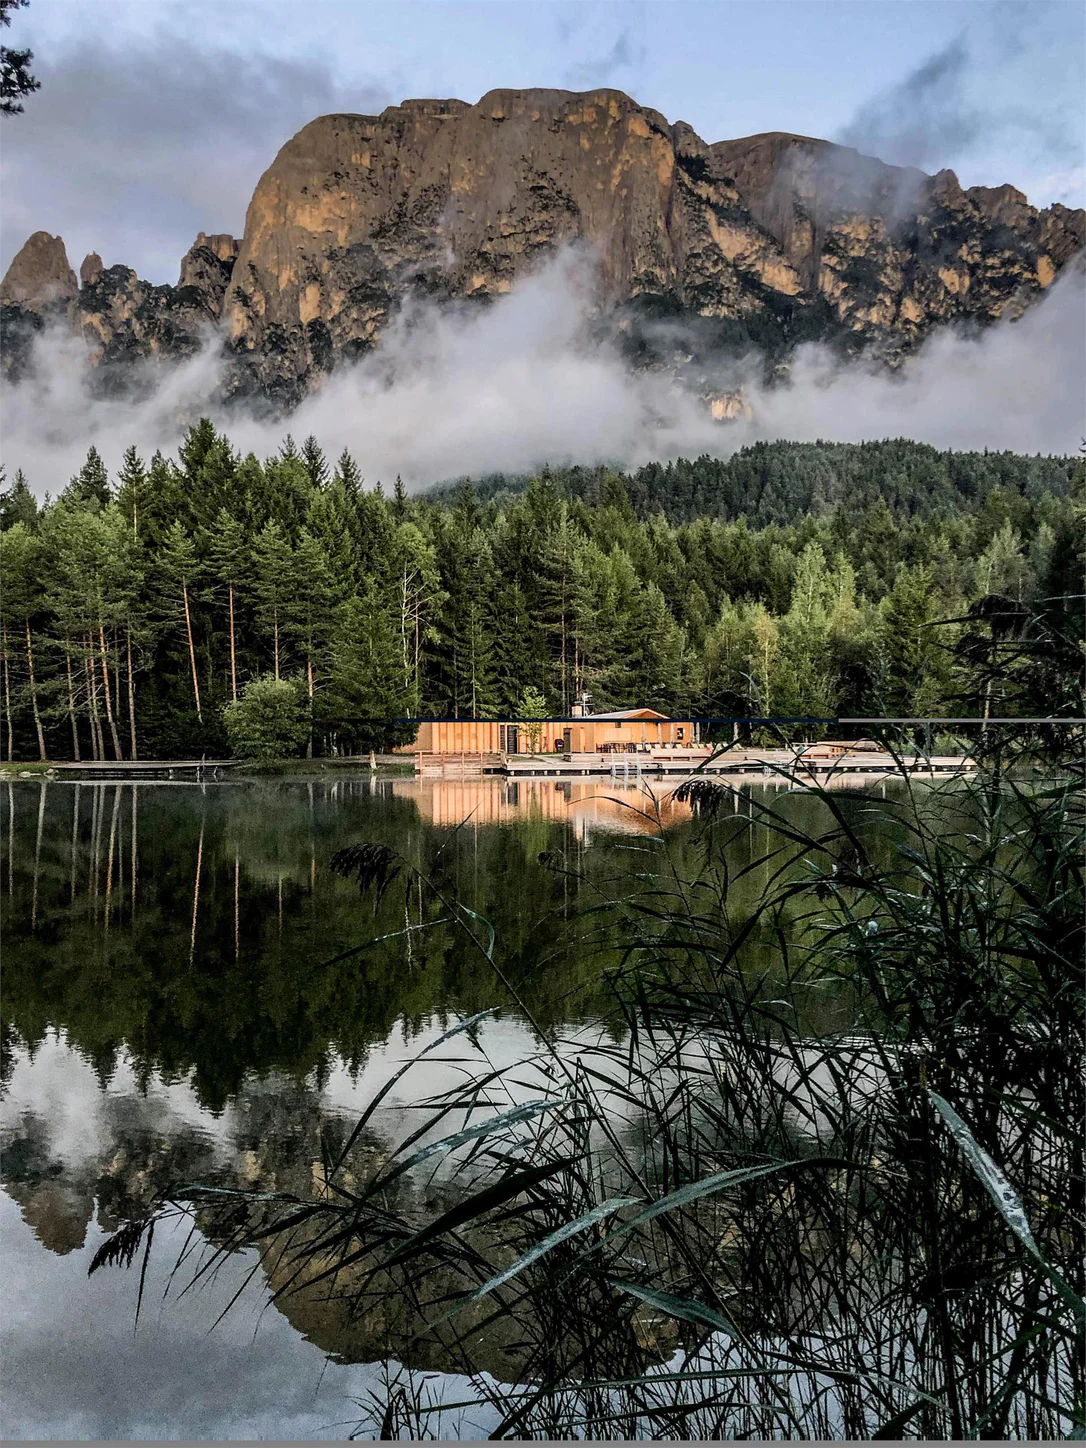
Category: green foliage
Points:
column 532, row 708
column 91, row 484
column 16, row 80
column 269, row 721
column 794, row 580
column 17, row 503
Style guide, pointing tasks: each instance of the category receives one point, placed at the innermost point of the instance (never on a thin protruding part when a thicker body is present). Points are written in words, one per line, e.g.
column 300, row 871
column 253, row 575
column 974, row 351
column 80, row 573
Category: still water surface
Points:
column 178, row 1006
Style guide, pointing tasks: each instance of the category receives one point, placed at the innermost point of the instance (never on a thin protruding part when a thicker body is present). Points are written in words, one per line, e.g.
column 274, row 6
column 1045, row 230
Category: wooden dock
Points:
column 747, row 764
column 196, row 771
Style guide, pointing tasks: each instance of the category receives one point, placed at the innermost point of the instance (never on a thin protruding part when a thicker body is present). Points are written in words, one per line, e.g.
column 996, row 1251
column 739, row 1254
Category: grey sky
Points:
column 155, row 121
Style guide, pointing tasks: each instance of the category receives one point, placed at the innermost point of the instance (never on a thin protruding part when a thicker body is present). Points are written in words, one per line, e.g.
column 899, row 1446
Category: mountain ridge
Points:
column 762, row 241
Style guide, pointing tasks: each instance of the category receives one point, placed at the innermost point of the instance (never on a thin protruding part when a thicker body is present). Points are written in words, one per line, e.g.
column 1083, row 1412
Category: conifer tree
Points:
column 90, row 486
column 908, row 640
column 180, row 575
column 17, row 503
column 132, row 487
column 363, row 701
column 316, row 465
column 308, row 609
column 347, row 472
column 399, row 501
column 20, row 600
column 273, row 572
column 230, row 563
column 196, row 448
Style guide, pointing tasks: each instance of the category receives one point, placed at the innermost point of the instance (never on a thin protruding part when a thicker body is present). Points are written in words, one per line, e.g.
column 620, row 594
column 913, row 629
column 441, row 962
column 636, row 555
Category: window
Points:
column 501, row 737
column 680, row 733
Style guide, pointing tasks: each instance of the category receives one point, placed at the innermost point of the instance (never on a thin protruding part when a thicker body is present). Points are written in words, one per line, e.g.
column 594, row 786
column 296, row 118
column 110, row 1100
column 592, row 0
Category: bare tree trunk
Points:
column 565, row 674
column 133, row 869
column 192, row 652
column 71, row 703
column 75, row 841
column 96, row 840
column 7, row 699
column 131, row 699
column 237, row 923
column 109, row 698
column 11, row 841
column 233, row 655
column 415, row 691
column 34, row 693
column 196, row 890
column 275, row 627
column 37, row 853
column 92, row 702
column 309, row 678
column 112, row 851
column 403, row 630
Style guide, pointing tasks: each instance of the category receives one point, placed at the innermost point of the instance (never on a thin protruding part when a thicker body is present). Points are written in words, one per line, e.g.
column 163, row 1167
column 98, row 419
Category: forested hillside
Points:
column 136, row 608
column 777, row 482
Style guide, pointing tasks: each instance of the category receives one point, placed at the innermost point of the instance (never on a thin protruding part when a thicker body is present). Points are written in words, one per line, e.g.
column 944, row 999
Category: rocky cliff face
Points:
column 121, row 318
column 769, row 240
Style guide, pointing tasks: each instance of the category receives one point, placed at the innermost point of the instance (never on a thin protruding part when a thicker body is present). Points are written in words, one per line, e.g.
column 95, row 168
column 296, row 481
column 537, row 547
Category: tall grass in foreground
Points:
column 721, row 1220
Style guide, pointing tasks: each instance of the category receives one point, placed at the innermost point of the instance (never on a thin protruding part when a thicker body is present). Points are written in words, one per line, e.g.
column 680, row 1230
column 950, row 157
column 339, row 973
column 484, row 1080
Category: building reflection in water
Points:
column 585, row 805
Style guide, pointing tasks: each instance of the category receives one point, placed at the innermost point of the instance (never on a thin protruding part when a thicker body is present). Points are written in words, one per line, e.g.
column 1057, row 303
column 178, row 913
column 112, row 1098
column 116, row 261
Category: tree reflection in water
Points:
column 772, row 987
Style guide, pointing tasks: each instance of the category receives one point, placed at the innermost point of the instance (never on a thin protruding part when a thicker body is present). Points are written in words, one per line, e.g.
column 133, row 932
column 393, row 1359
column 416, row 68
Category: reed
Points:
column 820, row 1178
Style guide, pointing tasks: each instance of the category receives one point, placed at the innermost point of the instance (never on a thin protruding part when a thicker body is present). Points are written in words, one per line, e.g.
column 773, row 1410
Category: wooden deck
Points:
column 188, row 769
column 682, row 763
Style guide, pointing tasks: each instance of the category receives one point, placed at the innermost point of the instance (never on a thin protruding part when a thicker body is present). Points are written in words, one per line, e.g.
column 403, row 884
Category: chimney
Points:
column 581, row 708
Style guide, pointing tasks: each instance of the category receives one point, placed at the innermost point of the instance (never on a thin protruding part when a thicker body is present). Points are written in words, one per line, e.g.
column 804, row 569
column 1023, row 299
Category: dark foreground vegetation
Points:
column 190, row 606
column 740, row 1213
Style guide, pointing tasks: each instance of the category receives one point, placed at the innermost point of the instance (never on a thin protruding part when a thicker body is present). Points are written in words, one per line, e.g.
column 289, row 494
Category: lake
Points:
column 191, row 993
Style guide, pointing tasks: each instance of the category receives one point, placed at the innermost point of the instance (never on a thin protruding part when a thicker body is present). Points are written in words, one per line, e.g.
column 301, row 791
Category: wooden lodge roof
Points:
column 629, row 714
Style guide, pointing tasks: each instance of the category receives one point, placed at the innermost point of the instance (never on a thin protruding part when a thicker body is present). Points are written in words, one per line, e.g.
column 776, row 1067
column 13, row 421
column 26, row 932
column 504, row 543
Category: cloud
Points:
column 1019, row 385
column 448, row 392
column 989, row 103
column 922, row 119
column 131, row 151
column 609, row 41
column 522, row 382
column 625, row 54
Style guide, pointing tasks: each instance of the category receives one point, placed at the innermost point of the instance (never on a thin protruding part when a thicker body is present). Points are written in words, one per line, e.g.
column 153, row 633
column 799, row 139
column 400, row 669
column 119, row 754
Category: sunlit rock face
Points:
column 37, row 287
column 39, row 274
column 761, row 242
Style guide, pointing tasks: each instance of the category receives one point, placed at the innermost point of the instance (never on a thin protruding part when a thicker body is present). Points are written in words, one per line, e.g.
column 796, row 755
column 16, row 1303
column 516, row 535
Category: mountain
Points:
column 768, row 240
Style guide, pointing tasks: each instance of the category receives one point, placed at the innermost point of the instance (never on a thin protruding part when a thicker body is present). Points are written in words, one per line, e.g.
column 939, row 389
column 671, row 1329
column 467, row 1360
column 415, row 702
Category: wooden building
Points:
column 621, row 731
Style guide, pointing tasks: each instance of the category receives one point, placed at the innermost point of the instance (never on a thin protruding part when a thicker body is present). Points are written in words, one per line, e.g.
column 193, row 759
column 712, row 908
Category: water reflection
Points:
column 584, row 805
column 183, row 1001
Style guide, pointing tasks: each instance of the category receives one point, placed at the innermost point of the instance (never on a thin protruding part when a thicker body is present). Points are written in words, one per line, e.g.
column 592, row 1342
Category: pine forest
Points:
column 153, row 612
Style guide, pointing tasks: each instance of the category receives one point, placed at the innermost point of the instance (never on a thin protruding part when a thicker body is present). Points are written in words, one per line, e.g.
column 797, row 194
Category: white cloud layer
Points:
column 520, row 384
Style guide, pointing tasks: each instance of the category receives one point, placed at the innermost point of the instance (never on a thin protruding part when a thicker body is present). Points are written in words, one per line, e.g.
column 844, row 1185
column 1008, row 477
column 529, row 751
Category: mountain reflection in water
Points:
column 180, row 1004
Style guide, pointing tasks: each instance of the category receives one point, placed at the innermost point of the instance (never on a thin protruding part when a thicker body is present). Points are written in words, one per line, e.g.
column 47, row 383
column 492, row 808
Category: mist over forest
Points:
column 531, row 379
